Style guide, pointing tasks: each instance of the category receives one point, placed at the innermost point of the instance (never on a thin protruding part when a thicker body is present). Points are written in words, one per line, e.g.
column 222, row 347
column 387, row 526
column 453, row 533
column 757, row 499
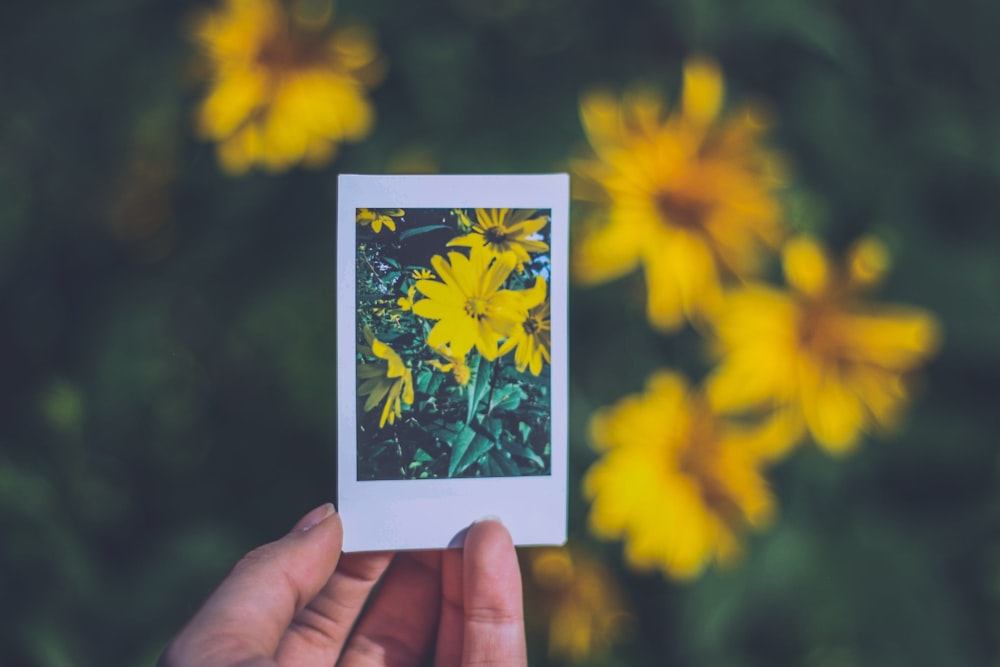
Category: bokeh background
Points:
column 167, row 350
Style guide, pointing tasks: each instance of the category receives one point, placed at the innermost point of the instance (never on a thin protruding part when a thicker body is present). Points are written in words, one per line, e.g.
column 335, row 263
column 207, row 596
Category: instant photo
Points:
column 451, row 306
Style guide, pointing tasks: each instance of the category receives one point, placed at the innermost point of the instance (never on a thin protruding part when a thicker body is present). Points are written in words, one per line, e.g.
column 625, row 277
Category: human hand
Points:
column 296, row 600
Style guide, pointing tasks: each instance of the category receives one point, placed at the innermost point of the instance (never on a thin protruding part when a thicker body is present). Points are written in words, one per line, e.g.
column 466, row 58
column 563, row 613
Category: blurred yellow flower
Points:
column 531, row 340
column 676, row 481
column 578, row 600
column 454, row 364
column 689, row 196
column 282, row 91
column 422, row 274
column 503, row 231
column 470, row 308
column 379, row 217
column 820, row 351
column 387, row 377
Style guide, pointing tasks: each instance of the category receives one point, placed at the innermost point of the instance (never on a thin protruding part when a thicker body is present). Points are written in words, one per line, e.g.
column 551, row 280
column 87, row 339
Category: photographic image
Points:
column 453, row 342
column 452, row 348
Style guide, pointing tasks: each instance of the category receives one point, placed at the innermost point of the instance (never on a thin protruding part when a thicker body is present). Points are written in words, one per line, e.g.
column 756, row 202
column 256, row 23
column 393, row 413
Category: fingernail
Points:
column 488, row 517
column 315, row 517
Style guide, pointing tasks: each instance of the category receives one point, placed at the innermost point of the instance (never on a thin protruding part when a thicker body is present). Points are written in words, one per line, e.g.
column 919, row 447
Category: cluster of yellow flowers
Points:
column 583, row 611
column 283, row 88
column 692, row 197
column 388, row 377
column 465, row 298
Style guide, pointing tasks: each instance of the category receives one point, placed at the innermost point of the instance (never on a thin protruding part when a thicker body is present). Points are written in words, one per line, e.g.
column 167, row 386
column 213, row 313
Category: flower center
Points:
column 531, row 326
column 699, row 462
column 680, row 210
column 496, row 235
column 281, row 53
column 817, row 331
column 476, row 308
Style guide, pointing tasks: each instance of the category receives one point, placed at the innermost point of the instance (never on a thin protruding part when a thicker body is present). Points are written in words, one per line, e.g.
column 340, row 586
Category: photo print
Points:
column 453, row 340
column 452, row 351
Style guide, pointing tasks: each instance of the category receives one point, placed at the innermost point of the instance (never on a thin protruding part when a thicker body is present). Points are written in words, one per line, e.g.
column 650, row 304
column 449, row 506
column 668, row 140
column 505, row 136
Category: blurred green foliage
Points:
column 167, row 341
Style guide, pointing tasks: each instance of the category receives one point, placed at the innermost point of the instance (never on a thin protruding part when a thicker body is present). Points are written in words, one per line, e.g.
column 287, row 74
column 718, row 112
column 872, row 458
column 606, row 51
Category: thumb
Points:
column 252, row 608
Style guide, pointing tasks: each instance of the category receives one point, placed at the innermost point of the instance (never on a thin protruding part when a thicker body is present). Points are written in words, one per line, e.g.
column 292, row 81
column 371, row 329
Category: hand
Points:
column 295, row 601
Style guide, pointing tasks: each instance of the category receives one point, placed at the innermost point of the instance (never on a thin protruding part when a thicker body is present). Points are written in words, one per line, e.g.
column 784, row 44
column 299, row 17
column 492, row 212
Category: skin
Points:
column 295, row 602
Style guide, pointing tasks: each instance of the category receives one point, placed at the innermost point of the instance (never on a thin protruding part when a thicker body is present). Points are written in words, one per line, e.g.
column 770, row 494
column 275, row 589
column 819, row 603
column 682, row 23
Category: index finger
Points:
column 492, row 612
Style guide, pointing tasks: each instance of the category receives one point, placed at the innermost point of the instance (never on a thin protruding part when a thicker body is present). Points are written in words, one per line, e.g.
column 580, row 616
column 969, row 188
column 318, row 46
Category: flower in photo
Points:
column 422, row 274
column 506, row 231
column 378, row 218
column 470, row 308
column 579, row 600
column 821, row 351
column 531, row 339
column 406, row 302
column 385, row 378
column 688, row 196
column 462, row 218
column 283, row 90
column 453, row 364
column 677, row 482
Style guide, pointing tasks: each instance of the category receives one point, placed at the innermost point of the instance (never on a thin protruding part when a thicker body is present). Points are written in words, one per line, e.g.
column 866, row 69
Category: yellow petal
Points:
column 607, row 253
column 600, row 118
column 834, row 414
column 383, row 351
column 230, row 103
column 703, row 91
column 806, row 266
column 868, row 261
column 441, row 295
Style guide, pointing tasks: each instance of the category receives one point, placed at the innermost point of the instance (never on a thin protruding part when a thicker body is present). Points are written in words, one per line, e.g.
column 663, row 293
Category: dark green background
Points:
column 167, row 332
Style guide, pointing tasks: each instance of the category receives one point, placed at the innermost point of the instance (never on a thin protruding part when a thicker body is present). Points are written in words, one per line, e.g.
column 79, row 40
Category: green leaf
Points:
column 507, row 398
column 480, row 445
column 420, row 230
column 459, row 446
column 492, row 469
column 495, row 428
column 503, row 461
column 480, row 382
column 525, row 452
column 423, row 378
column 435, row 382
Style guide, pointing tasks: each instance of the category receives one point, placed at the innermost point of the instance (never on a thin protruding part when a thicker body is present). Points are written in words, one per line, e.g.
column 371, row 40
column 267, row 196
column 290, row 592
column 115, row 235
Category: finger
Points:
column 318, row 633
column 398, row 626
column 451, row 627
column 249, row 612
column 493, row 630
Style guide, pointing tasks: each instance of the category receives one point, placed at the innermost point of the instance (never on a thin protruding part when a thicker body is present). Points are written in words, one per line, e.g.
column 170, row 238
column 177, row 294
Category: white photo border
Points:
column 433, row 514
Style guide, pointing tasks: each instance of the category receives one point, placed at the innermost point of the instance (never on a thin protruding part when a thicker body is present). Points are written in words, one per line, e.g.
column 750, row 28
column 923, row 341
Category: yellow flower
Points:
column 470, row 308
column 464, row 223
column 505, row 231
column 579, row 600
column 677, row 482
column 820, row 351
column 387, row 378
column 406, row 302
column 689, row 197
column 422, row 274
column 533, row 337
column 460, row 371
column 281, row 92
column 379, row 217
